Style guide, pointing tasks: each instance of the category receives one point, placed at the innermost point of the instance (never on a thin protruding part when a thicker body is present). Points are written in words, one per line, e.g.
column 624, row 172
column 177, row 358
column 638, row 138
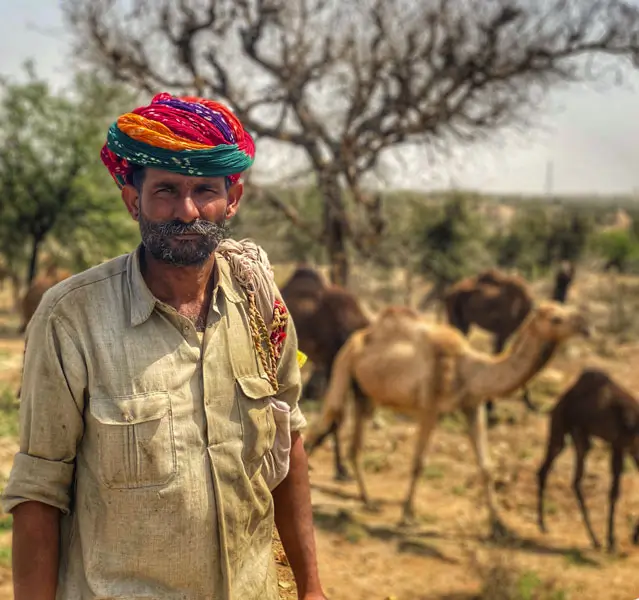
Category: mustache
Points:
column 197, row 227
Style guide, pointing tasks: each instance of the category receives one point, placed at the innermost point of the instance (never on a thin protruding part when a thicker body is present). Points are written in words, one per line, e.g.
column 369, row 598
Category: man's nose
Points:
column 186, row 210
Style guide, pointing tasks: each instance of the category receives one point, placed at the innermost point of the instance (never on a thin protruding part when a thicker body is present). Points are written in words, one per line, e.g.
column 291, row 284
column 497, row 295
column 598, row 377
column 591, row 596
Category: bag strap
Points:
column 268, row 316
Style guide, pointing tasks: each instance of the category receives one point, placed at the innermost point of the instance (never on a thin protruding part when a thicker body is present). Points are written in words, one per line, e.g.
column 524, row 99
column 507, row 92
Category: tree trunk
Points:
column 17, row 296
column 335, row 229
column 33, row 261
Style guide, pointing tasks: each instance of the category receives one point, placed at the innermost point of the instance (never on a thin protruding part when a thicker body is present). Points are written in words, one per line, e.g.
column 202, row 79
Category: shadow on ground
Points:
column 411, row 541
column 572, row 554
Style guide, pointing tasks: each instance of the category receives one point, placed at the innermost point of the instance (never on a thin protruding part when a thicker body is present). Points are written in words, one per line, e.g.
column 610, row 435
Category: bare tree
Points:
column 346, row 82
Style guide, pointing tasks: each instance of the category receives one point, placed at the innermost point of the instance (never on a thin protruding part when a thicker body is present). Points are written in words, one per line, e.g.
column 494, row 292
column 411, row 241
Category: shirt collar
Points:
column 143, row 301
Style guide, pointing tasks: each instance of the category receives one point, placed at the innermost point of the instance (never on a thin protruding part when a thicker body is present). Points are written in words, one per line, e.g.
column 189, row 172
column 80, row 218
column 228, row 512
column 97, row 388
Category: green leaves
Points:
column 53, row 185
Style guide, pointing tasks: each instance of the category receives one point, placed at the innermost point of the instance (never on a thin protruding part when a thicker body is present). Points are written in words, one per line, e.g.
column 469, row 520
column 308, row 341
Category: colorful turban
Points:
column 187, row 135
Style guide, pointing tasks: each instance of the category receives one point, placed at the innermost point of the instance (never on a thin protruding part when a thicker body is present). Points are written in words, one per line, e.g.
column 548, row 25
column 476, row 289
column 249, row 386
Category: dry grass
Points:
column 365, row 556
column 502, row 579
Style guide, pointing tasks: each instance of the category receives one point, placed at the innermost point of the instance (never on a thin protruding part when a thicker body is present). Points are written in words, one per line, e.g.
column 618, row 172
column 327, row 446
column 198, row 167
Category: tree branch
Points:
column 264, row 195
column 345, row 82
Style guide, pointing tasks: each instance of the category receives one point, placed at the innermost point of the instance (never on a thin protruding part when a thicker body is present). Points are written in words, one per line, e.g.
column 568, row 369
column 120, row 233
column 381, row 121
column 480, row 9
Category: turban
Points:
column 187, row 135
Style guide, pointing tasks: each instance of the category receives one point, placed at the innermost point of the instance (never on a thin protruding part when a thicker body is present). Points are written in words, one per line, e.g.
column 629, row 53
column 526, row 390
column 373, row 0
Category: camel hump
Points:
column 306, row 276
column 398, row 313
column 305, row 282
column 498, row 278
column 491, row 276
column 393, row 323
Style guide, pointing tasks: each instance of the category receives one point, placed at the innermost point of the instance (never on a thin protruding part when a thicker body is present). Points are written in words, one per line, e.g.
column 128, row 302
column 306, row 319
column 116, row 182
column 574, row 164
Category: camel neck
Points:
column 503, row 374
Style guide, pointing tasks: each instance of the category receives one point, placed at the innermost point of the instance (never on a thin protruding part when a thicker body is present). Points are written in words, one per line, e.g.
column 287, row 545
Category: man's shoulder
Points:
column 63, row 295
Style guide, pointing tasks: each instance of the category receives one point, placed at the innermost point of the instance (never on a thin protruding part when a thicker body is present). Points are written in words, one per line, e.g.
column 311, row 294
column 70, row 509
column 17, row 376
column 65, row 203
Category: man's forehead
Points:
column 156, row 175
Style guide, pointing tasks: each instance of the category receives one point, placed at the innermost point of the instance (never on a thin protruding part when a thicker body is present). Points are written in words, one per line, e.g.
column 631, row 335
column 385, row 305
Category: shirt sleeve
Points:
column 289, row 375
column 54, row 380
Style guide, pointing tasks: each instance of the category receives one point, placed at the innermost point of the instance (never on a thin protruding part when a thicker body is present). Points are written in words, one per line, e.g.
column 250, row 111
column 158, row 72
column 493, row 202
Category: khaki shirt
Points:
column 150, row 440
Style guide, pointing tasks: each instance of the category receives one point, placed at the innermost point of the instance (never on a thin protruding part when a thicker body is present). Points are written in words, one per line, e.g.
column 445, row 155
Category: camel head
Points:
column 556, row 322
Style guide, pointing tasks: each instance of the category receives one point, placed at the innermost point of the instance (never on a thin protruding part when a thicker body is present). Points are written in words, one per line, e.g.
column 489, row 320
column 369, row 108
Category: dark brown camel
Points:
column 563, row 279
column 38, row 287
column 324, row 317
column 595, row 406
column 493, row 301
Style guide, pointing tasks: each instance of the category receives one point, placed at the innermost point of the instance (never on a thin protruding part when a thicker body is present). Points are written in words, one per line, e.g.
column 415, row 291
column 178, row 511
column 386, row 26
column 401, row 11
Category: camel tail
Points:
column 340, row 383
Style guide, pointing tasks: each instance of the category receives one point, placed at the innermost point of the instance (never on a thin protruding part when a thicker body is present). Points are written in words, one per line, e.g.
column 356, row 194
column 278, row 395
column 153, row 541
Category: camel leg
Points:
column 357, row 443
column 318, row 384
column 341, row 473
column 582, row 447
column 635, row 533
column 426, row 427
column 477, row 429
column 315, row 387
column 498, row 347
column 555, row 447
column 616, row 468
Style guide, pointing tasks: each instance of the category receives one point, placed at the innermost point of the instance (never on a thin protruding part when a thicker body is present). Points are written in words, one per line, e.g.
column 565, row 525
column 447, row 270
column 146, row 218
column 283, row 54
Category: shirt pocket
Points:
column 256, row 413
column 135, row 440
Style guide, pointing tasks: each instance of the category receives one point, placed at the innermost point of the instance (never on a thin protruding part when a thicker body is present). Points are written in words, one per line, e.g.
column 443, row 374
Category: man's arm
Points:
column 51, row 426
column 294, row 520
column 292, row 497
column 36, row 540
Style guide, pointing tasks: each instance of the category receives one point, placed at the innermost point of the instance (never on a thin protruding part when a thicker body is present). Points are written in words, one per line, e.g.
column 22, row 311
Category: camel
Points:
column 38, row 287
column 495, row 302
column 424, row 370
column 563, row 279
column 594, row 406
column 324, row 317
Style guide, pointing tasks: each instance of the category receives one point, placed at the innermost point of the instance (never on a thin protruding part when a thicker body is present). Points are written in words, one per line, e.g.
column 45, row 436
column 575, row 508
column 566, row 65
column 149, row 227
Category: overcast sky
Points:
column 590, row 137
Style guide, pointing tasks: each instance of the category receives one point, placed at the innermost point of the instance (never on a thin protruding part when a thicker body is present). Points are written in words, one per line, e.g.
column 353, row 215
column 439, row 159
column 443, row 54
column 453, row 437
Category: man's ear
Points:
column 234, row 196
column 131, row 199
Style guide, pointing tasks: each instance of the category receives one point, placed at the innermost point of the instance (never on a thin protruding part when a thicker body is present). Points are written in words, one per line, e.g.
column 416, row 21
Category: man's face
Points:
column 182, row 219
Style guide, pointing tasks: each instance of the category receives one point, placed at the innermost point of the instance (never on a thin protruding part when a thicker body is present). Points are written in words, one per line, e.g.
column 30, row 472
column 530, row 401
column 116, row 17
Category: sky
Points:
column 589, row 138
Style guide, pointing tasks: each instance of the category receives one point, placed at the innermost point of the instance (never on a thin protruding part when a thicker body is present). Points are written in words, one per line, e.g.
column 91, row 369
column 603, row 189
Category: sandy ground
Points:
column 365, row 555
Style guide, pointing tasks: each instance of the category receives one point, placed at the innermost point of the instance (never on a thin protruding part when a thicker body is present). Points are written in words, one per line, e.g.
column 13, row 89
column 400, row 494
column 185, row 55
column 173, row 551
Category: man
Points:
column 150, row 408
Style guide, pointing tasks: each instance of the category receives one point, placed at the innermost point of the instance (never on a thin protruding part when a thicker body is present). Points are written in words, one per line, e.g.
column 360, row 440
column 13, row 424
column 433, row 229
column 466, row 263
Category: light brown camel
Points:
column 39, row 285
column 594, row 406
column 404, row 363
column 324, row 316
column 494, row 301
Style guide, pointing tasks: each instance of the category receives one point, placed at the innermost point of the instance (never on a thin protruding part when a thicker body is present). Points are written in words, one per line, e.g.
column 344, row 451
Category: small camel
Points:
column 406, row 364
column 324, row 316
column 595, row 406
column 494, row 301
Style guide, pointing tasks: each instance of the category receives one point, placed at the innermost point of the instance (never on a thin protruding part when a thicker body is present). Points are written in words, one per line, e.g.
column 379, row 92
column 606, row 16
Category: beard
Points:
column 159, row 239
